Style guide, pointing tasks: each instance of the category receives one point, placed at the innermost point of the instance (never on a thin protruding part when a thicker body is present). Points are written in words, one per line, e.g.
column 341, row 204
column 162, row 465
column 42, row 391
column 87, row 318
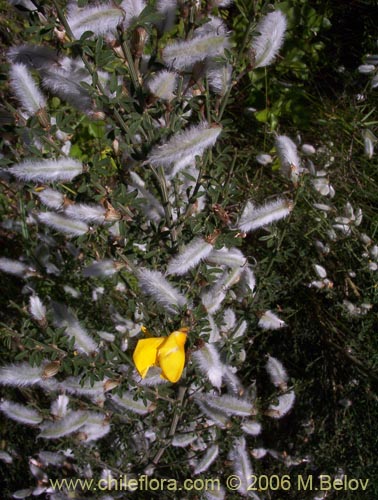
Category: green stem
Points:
column 131, row 65
column 241, row 50
column 192, row 199
column 174, row 423
column 90, row 68
column 160, row 178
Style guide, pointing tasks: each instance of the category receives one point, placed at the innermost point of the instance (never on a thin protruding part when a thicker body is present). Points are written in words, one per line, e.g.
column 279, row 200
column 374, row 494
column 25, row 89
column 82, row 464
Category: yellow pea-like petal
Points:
column 171, row 355
column 146, row 353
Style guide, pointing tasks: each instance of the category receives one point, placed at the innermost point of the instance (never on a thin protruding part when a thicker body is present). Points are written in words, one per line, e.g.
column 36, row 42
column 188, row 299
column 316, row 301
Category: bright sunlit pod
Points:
column 267, row 44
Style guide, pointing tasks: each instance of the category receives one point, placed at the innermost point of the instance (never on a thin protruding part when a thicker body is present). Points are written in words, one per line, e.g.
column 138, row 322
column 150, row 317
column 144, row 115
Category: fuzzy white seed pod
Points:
column 342, row 220
column 26, row 492
column 343, row 228
column 5, row 457
column 206, row 461
column 51, row 198
column 184, row 54
column 229, row 405
column 229, row 320
column 21, row 375
column 15, row 267
column 100, row 19
column 374, row 252
column 283, row 406
column 374, row 82
column 219, row 418
column 62, row 169
column 331, row 233
column 308, row 149
column 128, row 402
column 160, row 290
column 95, row 428
column 358, row 217
column 34, row 56
column 231, row 257
column 167, row 8
column 63, row 318
column 152, row 379
column 37, row 309
column 267, row 44
column 69, row 227
column 288, row 157
column 190, row 256
column 67, row 425
column 320, row 284
column 213, row 26
column 74, row 385
column 183, row 440
column 101, row 269
column 151, row 207
column 64, row 81
column 366, row 69
column 247, row 282
column 240, row 330
column 270, row 321
column 215, row 492
column 163, row 85
column 51, row 458
column 351, row 308
column 214, row 330
column 369, row 141
column 276, row 372
column 321, row 185
column 208, row 361
column 371, row 59
column 219, row 78
column 23, row 5
column 25, row 89
column 182, row 148
column 20, row 413
column 227, row 280
column 212, row 300
column 251, row 427
column 264, row 159
column 320, row 271
column 253, row 217
column 366, row 307
column 366, row 240
column 232, row 382
column 59, row 407
column 97, row 293
column 222, row 3
column 323, row 207
column 241, row 465
column 72, row 291
column 259, row 453
column 86, row 213
column 132, row 9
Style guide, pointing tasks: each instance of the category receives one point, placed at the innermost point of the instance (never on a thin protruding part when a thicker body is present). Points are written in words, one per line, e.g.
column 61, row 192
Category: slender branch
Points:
column 92, row 71
column 131, row 65
column 174, row 423
column 192, row 200
column 241, row 50
column 326, row 327
column 160, row 178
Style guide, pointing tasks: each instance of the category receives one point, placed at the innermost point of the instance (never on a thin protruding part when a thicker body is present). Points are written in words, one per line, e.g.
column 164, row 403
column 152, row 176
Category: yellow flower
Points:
column 166, row 352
